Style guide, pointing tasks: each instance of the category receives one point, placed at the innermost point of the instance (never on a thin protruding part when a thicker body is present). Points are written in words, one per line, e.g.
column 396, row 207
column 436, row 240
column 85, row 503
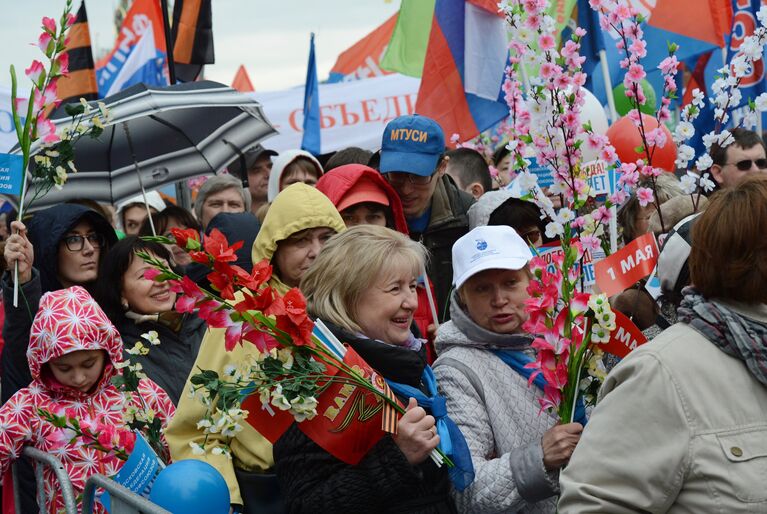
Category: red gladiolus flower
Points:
column 257, row 302
column 184, row 236
column 221, row 283
column 261, row 274
column 295, row 306
column 218, row 247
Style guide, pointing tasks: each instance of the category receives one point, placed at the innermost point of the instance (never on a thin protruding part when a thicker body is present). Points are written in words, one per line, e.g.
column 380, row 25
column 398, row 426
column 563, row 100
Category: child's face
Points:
column 79, row 370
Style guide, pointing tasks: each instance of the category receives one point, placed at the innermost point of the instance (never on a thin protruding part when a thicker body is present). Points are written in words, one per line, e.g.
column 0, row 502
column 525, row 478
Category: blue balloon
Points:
column 191, row 487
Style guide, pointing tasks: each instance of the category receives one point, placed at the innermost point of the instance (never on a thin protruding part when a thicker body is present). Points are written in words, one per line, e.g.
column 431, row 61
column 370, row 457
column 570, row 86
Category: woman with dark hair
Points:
column 681, row 424
column 172, row 216
column 138, row 305
column 57, row 248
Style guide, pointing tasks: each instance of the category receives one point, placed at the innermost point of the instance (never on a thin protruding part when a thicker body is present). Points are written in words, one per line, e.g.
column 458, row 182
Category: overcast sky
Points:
column 270, row 37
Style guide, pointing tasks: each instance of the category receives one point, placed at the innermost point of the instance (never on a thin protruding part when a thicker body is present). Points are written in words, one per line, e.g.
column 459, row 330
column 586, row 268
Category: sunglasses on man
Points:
column 746, row 164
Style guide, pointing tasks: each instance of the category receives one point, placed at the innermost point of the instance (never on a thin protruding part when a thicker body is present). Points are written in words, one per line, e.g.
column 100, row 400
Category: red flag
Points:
column 349, row 418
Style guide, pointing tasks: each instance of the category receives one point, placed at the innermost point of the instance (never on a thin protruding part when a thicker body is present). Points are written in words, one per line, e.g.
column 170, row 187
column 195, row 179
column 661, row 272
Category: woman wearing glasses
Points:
column 58, row 248
column 137, row 306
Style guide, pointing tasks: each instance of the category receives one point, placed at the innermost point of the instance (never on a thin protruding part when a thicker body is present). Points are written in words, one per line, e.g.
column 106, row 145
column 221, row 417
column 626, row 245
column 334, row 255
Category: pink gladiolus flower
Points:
column 47, row 130
column 152, row 273
column 71, row 18
column 206, row 309
column 233, row 336
column 49, row 25
column 185, row 304
column 22, row 104
column 34, row 71
column 552, row 397
column 44, row 43
column 644, row 195
column 63, row 63
column 48, row 97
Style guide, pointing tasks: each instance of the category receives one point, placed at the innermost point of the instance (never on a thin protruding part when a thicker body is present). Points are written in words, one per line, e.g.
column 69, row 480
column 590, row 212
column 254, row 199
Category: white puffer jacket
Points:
column 499, row 416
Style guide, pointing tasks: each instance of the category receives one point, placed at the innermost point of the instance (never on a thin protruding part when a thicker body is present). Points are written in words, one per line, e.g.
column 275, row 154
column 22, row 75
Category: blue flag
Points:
column 311, row 139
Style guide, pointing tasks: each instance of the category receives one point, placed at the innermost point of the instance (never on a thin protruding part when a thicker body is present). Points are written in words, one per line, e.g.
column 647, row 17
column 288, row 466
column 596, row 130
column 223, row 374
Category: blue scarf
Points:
column 517, row 360
column 451, row 440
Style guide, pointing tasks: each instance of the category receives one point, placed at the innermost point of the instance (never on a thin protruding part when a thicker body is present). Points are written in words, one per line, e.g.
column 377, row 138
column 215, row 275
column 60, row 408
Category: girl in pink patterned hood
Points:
column 73, row 355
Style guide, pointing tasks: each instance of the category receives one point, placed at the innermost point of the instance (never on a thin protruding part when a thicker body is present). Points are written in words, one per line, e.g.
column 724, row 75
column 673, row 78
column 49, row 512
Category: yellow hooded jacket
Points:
column 298, row 207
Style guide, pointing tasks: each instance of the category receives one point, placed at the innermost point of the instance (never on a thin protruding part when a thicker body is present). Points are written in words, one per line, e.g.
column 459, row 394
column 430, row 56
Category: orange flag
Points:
column 241, row 81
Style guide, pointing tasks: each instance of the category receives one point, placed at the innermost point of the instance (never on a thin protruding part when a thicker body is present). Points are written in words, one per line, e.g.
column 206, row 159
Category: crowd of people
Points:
column 417, row 258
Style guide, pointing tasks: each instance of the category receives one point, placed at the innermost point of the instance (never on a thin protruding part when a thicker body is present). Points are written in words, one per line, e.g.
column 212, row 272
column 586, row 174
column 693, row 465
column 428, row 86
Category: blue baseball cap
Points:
column 412, row 144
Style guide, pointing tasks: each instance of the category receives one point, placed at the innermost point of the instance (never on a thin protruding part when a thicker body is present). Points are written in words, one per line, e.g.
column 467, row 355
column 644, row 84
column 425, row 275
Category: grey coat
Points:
column 500, row 417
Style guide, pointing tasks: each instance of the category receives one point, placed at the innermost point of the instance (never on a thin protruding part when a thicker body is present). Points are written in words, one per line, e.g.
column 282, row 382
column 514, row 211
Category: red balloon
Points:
column 625, row 138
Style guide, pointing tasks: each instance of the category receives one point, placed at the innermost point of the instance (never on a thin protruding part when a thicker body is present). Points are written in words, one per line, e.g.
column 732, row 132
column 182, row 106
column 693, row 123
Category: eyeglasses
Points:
column 745, row 164
column 77, row 243
column 397, row 179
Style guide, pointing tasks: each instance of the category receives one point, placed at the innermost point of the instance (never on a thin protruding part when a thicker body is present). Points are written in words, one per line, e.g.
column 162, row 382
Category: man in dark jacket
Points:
column 60, row 247
column 435, row 209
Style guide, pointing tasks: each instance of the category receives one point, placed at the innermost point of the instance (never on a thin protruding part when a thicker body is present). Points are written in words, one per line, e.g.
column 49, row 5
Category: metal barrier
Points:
column 123, row 500
column 33, row 454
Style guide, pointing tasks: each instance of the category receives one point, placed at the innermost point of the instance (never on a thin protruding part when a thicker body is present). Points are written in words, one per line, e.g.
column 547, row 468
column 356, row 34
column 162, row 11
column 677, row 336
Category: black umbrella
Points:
column 157, row 136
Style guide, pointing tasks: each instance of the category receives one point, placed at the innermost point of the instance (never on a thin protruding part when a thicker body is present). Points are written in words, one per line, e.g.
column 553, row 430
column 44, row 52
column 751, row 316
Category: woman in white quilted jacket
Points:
column 516, row 450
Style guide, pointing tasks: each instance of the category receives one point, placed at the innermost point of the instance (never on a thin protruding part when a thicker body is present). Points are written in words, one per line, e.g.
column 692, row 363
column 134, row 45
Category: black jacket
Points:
column 449, row 221
column 170, row 363
column 45, row 230
column 312, row 480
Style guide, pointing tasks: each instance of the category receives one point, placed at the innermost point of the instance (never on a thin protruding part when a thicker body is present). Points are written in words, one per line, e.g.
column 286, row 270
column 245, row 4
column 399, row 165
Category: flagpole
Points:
column 168, row 42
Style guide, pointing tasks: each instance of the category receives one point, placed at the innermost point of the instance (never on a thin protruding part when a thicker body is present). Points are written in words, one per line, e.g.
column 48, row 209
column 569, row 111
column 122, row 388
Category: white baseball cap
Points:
column 488, row 247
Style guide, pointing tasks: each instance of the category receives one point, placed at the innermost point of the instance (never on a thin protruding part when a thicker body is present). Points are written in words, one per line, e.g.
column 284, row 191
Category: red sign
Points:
column 625, row 267
column 624, row 338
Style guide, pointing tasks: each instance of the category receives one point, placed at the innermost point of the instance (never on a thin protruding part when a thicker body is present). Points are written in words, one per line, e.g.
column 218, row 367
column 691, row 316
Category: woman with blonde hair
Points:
column 363, row 287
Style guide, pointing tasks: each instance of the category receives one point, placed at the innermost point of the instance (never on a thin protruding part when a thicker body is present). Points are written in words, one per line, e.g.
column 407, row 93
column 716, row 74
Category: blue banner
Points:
column 138, row 472
column 11, row 174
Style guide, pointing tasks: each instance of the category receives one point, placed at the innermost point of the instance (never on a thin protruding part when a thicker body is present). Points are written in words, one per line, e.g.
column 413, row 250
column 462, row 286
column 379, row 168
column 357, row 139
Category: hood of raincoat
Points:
column 67, row 321
column 49, row 226
column 297, row 207
column 279, row 164
column 339, row 181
